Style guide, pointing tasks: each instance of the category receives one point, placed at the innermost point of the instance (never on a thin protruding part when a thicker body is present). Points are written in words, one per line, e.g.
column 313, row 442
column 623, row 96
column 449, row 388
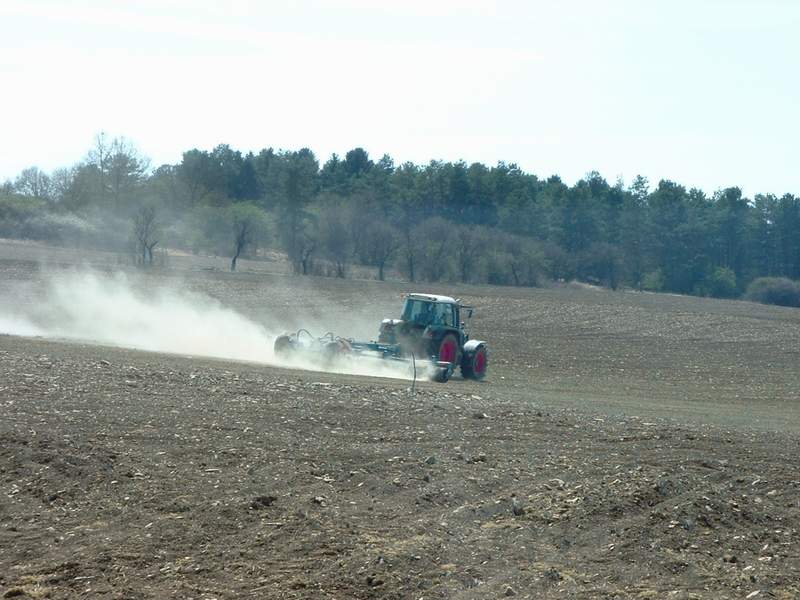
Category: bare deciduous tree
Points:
column 99, row 157
column 62, row 181
column 306, row 246
column 469, row 246
column 145, row 230
column 433, row 241
column 34, row 182
column 249, row 225
column 526, row 260
column 379, row 242
column 335, row 236
column 118, row 165
column 242, row 237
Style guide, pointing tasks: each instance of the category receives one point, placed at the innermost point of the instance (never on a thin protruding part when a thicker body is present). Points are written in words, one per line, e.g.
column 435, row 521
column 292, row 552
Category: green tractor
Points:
column 429, row 335
column 430, row 327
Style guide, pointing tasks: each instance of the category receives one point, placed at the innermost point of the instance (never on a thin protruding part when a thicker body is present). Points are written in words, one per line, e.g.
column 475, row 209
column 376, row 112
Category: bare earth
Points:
column 623, row 446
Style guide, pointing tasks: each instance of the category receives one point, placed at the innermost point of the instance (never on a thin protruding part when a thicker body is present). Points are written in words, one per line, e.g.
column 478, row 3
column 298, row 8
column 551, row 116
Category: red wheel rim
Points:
column 480, row 362
column 447, row 351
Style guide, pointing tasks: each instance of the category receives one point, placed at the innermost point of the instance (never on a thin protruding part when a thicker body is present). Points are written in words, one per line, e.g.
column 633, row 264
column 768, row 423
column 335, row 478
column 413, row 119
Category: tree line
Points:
column 442, row 221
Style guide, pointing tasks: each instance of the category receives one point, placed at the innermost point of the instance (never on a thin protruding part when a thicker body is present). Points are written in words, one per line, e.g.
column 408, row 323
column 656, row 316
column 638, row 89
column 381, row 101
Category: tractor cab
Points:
column 425, row 311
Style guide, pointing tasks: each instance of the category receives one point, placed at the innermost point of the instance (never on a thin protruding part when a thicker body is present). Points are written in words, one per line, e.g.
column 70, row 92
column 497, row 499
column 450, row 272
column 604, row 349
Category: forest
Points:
column 442, row 221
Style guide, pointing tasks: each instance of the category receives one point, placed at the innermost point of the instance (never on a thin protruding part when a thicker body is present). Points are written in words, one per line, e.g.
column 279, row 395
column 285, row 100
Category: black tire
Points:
column 283, row 345
column 474, row 365
column 441, row 375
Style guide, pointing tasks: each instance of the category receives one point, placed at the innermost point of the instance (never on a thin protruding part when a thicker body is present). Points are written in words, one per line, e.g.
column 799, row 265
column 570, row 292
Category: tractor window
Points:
column 417, row 311
column 443, row 314
column 428, row 313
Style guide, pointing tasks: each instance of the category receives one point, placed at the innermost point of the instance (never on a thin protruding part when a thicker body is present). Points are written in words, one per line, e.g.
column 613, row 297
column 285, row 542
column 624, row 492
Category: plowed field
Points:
column 623, row 445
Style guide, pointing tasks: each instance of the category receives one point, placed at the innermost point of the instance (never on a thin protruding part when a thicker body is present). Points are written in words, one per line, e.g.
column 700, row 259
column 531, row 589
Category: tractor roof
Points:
column 432, row 298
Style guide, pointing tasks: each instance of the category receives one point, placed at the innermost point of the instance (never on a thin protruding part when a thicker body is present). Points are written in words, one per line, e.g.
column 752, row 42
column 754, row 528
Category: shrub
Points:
column 15, row 214
column 774, row 290
column 653, row 281
column 559, row 263
column 498, row 267
column 721, row 283
column 433, row 240
column 601, row 264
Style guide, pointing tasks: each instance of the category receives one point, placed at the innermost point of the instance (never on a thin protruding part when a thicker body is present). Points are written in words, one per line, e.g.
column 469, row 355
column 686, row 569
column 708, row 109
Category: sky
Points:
column 703, row 92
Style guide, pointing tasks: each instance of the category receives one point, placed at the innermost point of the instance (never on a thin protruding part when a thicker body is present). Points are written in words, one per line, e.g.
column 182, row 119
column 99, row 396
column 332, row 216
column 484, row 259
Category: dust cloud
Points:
column 115, row 310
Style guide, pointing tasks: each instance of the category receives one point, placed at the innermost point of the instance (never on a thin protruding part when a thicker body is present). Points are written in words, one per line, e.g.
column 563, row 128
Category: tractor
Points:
column 430, row 326
column 430, row 332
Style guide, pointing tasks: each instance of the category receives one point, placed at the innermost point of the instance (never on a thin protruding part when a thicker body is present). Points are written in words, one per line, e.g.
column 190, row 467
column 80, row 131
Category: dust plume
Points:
column 118, row 311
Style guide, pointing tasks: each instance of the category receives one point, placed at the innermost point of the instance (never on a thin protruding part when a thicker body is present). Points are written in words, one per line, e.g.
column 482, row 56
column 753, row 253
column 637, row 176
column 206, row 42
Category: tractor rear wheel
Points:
column 474, row 366
column 448, row 349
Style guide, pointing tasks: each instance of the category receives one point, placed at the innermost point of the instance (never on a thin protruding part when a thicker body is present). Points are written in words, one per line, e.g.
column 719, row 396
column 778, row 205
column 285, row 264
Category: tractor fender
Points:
column 469, row 363
column 472, row 346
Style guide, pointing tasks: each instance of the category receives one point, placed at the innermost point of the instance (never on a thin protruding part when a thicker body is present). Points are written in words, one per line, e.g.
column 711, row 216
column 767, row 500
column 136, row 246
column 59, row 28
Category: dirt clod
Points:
column 517, row 508
column 260, row 502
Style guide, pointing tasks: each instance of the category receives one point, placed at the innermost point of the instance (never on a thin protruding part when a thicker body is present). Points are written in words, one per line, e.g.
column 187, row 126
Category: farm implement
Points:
column 429, row 337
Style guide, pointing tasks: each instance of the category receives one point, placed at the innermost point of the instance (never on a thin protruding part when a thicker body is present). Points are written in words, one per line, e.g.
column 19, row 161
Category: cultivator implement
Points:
column 330, row 350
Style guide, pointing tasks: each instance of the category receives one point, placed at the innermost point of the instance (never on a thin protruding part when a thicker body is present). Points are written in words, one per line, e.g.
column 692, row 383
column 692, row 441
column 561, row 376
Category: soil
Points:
column 623, row 445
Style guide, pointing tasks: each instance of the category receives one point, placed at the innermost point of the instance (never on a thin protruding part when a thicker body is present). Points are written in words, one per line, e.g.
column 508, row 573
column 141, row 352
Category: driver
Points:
column 438, row 314
column 428, row 316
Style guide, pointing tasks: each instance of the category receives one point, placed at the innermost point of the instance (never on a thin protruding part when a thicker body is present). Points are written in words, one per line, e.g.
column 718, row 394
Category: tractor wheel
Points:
column 283, row 345
column 448, row 349
column 474, row 366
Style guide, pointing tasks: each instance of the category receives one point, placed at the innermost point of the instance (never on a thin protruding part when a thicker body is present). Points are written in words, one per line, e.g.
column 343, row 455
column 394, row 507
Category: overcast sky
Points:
column 705, row 93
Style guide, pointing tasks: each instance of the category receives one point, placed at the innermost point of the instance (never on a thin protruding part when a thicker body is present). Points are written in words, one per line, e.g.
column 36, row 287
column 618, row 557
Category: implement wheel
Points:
column 441, row 375
column 283, row 345
column 474, row 365
column 337, row 349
